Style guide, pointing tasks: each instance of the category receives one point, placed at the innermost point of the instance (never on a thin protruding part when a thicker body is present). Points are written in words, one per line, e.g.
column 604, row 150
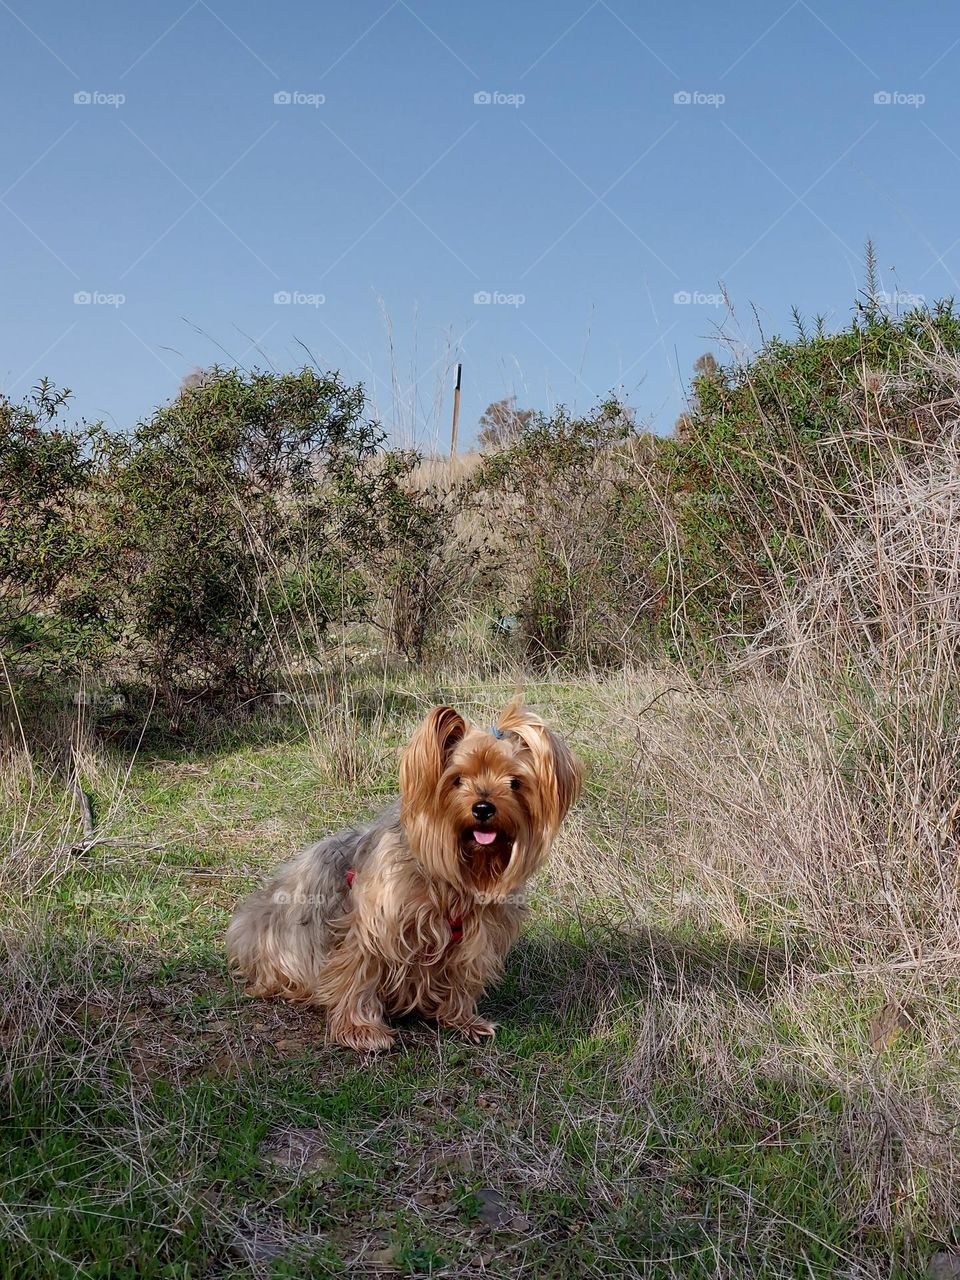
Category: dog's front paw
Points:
column 364, row 1037
column 476, row 1030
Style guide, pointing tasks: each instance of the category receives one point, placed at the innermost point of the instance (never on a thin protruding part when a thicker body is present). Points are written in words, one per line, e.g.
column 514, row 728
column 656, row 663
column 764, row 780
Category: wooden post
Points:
column 456, row 414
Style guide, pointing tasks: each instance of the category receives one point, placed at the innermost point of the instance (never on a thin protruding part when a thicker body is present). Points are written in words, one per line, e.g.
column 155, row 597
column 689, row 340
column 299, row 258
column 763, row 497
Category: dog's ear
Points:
column 557, row 767
column 427, row 754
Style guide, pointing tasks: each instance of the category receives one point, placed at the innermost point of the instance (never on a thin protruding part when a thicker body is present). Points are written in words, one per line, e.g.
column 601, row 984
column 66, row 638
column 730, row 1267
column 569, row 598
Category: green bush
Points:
column 236, row 522
column 219, row 542
column 50, row 617
column 761, row 470
column 574, row 530
column 424, row 564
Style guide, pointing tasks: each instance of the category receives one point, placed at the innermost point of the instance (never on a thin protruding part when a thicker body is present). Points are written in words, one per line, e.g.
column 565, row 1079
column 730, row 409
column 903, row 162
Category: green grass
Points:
column 662, row 1099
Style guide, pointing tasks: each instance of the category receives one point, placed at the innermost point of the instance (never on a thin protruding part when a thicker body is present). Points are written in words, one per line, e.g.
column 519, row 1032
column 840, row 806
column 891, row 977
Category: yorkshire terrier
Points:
column 417, row 910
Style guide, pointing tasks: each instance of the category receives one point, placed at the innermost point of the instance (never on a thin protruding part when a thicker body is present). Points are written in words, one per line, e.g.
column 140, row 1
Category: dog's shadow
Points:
column 571, row 978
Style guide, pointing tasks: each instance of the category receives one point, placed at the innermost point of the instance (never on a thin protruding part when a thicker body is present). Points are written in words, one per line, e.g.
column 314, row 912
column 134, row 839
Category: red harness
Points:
column 455, row 922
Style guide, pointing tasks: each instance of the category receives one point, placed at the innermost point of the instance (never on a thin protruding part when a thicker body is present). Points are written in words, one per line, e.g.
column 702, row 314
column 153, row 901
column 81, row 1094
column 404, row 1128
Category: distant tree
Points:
column 704, row 366
column 45, row 472
column 196, row 378
column 577, row 541
column 239, row 518
column 501, row 423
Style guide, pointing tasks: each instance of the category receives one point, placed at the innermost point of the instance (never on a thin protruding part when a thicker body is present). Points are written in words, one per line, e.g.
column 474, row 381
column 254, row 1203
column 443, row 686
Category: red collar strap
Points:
column 455, row 922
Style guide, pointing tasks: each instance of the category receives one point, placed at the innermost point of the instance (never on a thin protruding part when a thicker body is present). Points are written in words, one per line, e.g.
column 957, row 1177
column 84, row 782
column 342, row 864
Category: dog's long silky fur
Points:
column 386, row 944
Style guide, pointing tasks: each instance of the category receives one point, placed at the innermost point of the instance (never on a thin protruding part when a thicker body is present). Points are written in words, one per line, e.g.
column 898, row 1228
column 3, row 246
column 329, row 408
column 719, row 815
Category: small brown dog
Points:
column 418, row 909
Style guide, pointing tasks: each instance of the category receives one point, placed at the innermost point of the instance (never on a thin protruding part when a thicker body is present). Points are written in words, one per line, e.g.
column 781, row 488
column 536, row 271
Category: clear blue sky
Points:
column 598, row 198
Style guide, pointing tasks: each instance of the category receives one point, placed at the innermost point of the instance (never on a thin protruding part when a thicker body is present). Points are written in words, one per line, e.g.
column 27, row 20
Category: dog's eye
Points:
column 514, row 784
column 457, row 780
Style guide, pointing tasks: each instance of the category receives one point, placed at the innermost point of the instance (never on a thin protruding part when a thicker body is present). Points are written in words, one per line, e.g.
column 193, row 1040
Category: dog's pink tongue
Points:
column 484, row 837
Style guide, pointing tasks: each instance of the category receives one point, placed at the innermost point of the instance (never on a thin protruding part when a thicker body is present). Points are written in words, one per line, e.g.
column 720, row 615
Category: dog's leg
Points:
column 353, row 1024
column 468, row 970
column 349, row 990
column 459, row 1013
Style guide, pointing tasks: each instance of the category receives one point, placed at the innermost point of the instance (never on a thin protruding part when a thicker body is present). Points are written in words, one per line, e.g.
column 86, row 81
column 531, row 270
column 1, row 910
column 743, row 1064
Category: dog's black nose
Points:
column 483, row 810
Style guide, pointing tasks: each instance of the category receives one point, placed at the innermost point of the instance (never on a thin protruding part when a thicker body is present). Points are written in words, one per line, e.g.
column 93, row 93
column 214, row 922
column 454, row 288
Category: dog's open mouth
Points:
column 487, row 838
column 487, row 851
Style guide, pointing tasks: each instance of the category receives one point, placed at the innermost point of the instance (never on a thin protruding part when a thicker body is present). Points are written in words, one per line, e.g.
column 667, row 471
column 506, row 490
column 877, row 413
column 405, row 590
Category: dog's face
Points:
column 481, row 809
